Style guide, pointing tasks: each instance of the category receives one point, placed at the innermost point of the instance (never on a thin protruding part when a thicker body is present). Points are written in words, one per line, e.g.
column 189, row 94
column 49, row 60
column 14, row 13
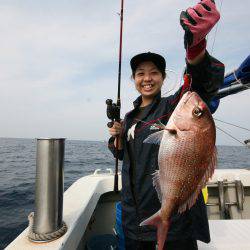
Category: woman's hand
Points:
column 198, row 21
column 116, row 131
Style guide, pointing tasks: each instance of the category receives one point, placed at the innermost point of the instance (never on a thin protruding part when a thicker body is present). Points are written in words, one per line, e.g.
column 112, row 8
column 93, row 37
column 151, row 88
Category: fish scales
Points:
column 179, row 168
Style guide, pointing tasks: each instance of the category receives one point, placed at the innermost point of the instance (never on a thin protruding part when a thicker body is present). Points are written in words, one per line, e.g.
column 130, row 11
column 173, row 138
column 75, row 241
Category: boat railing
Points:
column 224, row 201
column 46, row 223
column 101, row 171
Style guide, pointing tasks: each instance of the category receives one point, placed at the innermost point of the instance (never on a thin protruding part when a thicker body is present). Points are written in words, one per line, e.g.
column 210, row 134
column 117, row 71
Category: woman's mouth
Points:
column 147, row 87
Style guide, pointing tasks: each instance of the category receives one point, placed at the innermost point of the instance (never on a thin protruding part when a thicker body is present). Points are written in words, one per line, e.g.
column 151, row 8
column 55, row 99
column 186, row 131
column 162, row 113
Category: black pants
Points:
column 188, row 244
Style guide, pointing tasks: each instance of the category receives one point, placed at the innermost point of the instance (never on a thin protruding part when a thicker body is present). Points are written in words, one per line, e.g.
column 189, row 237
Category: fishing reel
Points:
column 113, row 112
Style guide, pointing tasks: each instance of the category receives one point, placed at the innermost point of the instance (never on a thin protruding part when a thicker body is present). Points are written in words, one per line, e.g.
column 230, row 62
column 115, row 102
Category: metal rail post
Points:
column 49, row 189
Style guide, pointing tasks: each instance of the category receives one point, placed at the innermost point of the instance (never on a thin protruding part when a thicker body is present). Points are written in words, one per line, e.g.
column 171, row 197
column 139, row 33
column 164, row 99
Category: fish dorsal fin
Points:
column 155, row 138
column 156, row 184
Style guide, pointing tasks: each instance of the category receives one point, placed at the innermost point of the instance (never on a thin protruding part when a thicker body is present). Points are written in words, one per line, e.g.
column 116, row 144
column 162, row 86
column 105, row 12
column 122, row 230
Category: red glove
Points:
column 198, row 21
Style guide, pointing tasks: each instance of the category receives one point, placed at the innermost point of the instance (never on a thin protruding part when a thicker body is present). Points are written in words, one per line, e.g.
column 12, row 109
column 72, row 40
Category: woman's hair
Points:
column 156, row 59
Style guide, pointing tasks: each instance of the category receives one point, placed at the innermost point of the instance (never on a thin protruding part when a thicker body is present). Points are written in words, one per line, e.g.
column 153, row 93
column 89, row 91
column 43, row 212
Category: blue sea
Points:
column 17, row 175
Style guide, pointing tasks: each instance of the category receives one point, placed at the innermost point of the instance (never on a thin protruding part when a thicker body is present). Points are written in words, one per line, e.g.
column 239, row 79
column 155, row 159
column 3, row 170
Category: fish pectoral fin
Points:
column 155, row 138
column 156, row 184
column 161, row 225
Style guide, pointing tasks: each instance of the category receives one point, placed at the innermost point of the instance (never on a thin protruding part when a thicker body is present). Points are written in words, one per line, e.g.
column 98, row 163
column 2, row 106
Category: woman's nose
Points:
column 147, row 78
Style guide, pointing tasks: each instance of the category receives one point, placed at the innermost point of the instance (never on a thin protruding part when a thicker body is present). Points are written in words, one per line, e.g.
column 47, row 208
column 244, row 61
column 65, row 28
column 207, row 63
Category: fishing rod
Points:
column 113, row 109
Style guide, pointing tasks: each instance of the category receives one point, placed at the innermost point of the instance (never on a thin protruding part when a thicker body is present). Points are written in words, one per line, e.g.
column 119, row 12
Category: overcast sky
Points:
column 59, row 62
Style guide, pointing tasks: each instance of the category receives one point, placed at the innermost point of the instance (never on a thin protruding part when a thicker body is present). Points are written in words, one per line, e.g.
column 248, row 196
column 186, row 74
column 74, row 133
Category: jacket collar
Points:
column 137, row 104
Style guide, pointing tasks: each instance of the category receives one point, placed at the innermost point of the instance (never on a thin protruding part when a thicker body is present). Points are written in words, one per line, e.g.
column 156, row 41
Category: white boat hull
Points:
column 89, row 209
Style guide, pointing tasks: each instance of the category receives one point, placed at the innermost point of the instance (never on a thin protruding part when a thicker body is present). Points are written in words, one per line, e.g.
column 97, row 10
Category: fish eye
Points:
column 197, row 112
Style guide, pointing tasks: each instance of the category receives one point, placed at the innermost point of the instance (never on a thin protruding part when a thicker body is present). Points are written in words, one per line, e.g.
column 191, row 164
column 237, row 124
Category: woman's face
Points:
column 148, row 79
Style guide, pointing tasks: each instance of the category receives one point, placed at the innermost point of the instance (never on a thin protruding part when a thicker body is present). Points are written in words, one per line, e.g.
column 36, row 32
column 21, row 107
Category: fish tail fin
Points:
column 162, row 228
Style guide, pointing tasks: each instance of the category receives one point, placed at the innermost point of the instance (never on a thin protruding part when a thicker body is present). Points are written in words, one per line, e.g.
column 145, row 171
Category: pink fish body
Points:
column 187, row 158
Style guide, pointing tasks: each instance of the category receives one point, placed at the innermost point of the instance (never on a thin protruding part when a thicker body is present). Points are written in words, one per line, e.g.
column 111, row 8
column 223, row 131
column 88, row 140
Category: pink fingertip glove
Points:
column 206, row 16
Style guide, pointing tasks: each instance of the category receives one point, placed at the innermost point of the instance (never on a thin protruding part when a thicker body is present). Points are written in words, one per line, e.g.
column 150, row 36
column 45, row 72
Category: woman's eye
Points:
column 139, row 74
column 197, row 112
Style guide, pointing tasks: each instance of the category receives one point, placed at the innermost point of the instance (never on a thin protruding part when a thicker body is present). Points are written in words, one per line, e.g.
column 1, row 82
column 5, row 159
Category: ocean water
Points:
column 17, row 175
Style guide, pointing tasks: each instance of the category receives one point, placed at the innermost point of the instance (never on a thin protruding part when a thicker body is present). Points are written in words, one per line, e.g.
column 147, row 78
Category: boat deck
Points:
column 89, row 209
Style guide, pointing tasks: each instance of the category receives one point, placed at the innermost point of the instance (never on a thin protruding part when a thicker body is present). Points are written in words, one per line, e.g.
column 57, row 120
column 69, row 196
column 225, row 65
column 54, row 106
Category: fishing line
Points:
column 216, row 28
column 231, row 136
column 147, row 123
column 176, row 76
column 232, row 124
column 152, row 121
column 184, row 68
column 178, row 83
column 184, row 71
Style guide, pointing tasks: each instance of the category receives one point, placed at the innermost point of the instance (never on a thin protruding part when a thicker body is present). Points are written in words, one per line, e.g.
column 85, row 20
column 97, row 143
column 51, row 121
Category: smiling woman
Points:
column 148, row 71
column 148, row 81
column 139, row 198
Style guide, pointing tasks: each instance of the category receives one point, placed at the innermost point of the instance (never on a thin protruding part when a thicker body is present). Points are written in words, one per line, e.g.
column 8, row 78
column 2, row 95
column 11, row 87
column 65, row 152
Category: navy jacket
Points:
column 141, row 202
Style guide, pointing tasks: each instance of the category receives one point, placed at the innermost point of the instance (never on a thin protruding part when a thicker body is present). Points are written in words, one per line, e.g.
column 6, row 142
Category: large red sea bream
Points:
column 187, row 158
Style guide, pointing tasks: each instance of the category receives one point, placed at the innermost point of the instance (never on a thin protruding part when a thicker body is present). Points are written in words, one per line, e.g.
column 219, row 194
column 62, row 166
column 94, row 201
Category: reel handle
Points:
column 110, row 124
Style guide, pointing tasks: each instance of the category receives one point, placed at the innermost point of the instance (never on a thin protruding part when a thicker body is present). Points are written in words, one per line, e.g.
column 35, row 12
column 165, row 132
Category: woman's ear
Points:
column 164, row 77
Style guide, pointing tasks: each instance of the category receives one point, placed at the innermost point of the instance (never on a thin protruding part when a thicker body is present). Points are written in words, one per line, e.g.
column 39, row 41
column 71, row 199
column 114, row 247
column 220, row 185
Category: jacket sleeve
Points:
column 113, row 150
column 111, row 145
column 207, row 77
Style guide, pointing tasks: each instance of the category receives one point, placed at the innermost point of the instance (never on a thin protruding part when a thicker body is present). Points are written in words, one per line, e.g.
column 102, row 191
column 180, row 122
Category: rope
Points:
column 239, row 81
column 231, row 136
column 45, row 237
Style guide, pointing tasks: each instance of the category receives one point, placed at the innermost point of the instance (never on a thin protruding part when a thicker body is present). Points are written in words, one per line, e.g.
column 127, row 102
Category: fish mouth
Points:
column 187, row 96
